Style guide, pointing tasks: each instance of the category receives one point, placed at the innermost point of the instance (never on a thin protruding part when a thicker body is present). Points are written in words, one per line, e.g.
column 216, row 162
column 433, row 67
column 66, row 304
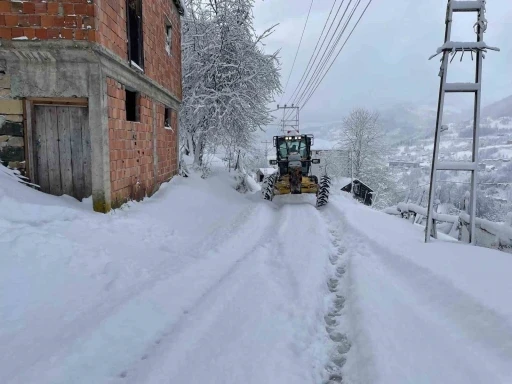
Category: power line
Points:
column 297, row 52
column 311, row 84
column 314, row 65
column 328, row 48
column 316, row 46
column 341, row 49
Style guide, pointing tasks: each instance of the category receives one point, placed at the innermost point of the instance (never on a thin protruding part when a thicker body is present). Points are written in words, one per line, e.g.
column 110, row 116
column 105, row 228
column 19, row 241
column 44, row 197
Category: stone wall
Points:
column 12, row 144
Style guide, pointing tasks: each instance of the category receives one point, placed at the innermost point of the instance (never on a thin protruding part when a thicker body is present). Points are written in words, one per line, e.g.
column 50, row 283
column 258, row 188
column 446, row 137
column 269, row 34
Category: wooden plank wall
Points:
column 62, row 150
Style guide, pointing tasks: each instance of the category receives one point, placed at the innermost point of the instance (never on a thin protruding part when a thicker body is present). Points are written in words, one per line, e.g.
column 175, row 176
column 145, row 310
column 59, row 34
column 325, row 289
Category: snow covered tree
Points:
column 362, row 136
column 228, row 80
column 336, row 163
column 363, row 139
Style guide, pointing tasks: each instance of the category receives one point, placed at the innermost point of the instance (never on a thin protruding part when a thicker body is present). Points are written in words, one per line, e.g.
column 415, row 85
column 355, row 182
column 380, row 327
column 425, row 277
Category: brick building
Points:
column 89, row 95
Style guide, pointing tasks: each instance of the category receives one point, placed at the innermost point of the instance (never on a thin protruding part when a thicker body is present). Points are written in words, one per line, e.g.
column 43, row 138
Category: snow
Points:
column 153, row 289
column 420, row 312
column 20, row 37
column 202, row 284
column 136, row 66
column 267, row 171
column 459, row 45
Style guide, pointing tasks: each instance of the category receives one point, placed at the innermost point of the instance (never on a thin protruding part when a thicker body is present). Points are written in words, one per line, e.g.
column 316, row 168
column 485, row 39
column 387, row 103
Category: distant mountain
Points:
column 502, row 108
column 406, row 121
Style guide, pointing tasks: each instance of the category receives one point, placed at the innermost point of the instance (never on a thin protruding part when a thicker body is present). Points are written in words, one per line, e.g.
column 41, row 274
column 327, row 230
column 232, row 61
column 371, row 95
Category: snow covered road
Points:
column 415, row 315
column 200, row 284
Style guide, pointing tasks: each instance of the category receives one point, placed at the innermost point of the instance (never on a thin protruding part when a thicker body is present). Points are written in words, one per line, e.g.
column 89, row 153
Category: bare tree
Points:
column 362, row 136
column 363, row 139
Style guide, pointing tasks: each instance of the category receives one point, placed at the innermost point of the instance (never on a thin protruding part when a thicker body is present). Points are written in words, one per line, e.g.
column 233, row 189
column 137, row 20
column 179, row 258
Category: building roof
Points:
column 360, row 182
column 179, row 5
column 267, row 171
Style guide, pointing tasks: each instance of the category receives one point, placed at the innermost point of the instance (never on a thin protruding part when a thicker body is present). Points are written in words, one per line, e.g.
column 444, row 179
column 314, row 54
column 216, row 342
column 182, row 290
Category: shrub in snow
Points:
column 241, row 182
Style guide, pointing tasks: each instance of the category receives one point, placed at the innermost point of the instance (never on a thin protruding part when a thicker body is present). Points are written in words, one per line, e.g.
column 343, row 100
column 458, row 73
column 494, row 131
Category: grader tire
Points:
column 322, row 196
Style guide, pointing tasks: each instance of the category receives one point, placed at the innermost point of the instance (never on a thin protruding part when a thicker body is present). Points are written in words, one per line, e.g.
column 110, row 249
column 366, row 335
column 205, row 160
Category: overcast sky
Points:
column 385, row 62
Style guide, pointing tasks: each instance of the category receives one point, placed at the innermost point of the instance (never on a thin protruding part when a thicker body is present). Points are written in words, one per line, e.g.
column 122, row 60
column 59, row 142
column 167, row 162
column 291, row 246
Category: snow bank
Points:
column 197, row 284
column 423, row 313
column 64, row 270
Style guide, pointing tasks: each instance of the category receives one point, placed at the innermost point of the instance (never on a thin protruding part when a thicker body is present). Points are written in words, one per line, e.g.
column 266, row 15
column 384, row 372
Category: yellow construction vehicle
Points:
column 294, row 174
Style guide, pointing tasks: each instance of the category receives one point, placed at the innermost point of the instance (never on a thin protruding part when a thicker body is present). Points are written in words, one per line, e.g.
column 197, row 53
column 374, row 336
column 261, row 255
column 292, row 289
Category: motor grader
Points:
column 294, row 171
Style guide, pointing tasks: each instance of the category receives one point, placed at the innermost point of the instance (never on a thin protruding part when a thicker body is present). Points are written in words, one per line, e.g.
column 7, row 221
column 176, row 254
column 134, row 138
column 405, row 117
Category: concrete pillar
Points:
column 98, row 123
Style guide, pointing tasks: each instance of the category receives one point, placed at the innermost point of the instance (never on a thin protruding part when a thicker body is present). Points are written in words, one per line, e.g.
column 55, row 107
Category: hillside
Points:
column 495, row 155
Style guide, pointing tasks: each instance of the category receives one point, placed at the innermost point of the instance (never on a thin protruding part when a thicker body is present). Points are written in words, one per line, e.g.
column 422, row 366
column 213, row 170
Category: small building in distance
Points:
column 362, row 192
column 261, row 173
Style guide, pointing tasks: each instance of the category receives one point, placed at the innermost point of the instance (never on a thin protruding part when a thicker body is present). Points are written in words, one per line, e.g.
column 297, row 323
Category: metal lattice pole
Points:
column 449, row 47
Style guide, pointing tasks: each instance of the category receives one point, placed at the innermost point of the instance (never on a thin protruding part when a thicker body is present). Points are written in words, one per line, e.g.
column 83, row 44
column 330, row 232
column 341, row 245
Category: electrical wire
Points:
column 316, row 75
column 328, row 49
column 341, row 49
column 297, row 52
column 308, row 69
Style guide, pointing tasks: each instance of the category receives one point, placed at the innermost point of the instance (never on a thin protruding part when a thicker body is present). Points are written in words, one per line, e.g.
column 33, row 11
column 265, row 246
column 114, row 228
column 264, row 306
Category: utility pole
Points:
column 352, row 171
column 267, row 143
column 477, row 48
column 290, row 117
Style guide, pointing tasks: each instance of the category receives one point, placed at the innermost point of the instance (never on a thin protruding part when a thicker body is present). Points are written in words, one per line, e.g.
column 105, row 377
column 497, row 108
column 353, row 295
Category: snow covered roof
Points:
column 267, row 171
column 356, row 181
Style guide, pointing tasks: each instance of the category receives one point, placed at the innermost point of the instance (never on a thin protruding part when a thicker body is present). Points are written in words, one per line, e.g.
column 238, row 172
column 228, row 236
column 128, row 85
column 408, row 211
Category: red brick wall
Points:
column 158, row 65
column 132, row 169
column 111, row 19
column 61, row 19
column 166, row 146
column 105, row 22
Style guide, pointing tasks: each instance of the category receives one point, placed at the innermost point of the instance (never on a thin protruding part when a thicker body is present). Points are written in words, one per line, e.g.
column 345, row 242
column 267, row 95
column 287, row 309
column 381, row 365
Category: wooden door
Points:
column 62, row 150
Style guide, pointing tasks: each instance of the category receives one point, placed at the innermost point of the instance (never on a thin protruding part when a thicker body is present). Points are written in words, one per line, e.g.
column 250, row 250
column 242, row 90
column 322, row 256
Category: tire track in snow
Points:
column 438, row 308
column 272, row 274
column 70, row 335
column 178, row 334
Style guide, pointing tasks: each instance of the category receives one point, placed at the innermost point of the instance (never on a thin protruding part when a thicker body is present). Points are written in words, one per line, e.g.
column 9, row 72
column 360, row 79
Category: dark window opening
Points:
column 168, row 118
column 132, row 106
column 134, row 26
column 168, row 38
